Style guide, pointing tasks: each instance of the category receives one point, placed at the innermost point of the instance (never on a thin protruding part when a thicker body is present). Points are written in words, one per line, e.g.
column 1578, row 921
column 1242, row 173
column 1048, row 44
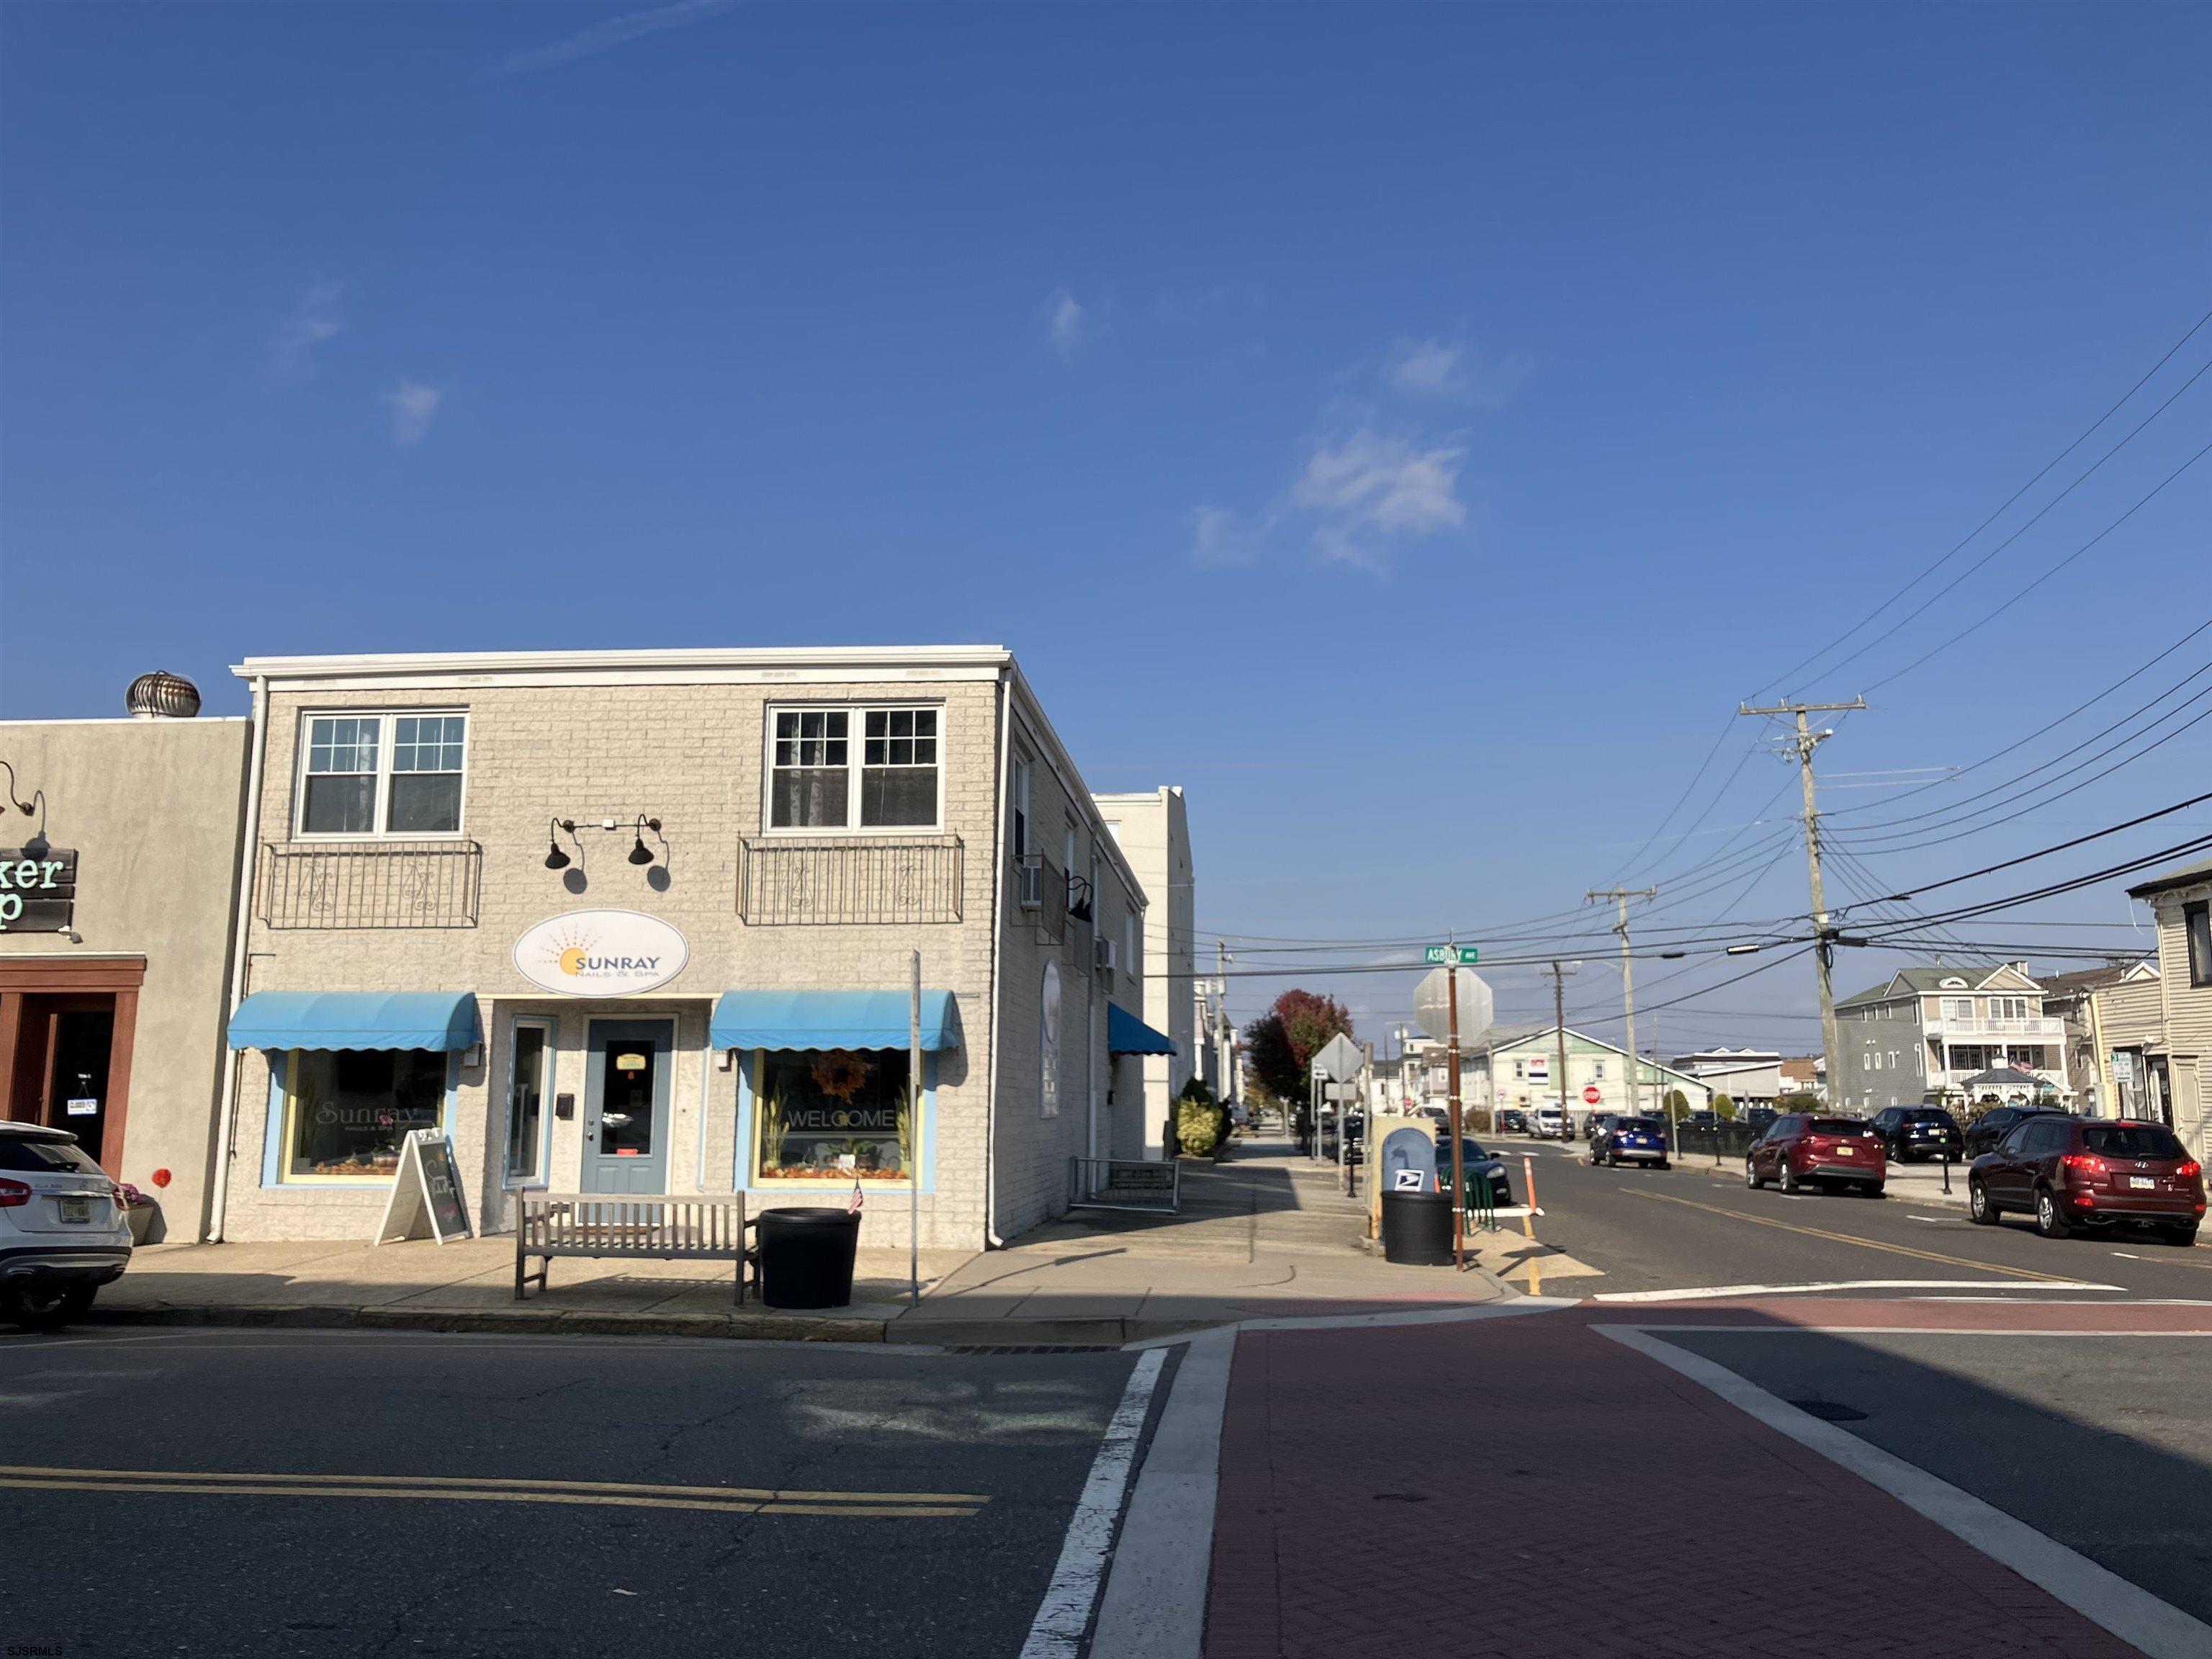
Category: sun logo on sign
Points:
column 567, row 949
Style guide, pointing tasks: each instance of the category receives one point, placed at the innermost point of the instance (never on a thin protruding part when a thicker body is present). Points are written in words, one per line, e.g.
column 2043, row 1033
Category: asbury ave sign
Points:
column 1437, row 956
column 38, row 889
column 601, row 953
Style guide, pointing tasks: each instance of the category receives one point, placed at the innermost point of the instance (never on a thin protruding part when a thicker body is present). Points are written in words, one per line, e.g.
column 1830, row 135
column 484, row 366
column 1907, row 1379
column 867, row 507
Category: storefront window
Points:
column 348, row 1110
column 833, row 1115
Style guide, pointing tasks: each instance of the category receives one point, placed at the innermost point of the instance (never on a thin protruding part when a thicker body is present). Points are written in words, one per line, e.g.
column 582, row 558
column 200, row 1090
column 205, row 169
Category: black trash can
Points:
column 806, row 1257
column 1417, row 1229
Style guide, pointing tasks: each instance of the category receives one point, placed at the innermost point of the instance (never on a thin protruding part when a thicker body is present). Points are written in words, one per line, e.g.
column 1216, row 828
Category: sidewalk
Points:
column 1622, row 1510
column 1262, row 1235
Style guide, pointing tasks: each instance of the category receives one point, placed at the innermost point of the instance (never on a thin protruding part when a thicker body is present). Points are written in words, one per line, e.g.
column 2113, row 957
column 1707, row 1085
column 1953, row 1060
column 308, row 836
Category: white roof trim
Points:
column 665, row 666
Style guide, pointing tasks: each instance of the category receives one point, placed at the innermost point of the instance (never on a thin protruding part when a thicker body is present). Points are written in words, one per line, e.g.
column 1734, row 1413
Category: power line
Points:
column 2005, row 506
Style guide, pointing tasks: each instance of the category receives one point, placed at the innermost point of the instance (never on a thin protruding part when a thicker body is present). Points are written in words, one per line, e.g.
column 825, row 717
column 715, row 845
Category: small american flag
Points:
column 853, row 1204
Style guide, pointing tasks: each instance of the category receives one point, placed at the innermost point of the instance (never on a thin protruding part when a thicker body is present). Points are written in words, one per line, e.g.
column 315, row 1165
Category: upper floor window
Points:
column 2009, row 1008
column 2196, row 931
column 1019, row 789
column 820, row 778
column 382, row 775
column 1958, row 1007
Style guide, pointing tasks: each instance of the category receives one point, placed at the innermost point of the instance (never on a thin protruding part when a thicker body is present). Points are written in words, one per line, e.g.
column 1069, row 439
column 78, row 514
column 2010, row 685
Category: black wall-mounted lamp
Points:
column 640, row 852
column 554, row 858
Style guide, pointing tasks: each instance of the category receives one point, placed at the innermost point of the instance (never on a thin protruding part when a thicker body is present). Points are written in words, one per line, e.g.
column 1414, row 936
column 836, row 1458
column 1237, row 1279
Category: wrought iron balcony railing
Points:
column 849, row 879
column 395, row 884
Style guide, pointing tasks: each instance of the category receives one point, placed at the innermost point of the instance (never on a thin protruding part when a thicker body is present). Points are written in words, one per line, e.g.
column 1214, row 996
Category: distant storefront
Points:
column 644, row 922
column 119, row 890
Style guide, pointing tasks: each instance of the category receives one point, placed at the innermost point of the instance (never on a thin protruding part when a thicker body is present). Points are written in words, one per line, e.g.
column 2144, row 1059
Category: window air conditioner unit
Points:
column 1104, row 955
column 1029, row 884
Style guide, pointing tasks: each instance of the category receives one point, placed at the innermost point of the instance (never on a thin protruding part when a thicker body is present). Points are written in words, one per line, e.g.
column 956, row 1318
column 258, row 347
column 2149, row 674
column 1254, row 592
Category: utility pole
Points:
column 1803, row 742
column 1559, row 971
column 1620, row 895
column 1458, row 1159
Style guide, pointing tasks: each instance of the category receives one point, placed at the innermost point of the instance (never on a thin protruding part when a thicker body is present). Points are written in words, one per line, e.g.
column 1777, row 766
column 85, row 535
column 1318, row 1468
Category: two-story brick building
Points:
column 641, row 921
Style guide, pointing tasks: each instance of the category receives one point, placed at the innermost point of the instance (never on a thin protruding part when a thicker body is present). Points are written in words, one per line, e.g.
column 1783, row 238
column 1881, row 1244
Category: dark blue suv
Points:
column 1630, row 1141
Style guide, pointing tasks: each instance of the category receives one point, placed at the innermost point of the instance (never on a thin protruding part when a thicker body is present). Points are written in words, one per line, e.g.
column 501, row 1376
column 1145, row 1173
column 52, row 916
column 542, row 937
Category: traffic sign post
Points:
column 1592, row 1094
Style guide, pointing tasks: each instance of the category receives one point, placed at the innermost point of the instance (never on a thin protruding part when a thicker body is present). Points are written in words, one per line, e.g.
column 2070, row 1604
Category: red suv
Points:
column 2070, row 1172
column 1798, row 1147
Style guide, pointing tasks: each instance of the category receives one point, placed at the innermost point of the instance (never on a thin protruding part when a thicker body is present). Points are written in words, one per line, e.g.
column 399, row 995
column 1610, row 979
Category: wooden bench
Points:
column 642, row 1226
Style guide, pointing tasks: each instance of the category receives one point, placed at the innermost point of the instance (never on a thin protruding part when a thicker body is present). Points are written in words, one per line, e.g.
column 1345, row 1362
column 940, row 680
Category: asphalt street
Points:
column 2104, row 1443
column 361, row 1493
column 1693, row 1227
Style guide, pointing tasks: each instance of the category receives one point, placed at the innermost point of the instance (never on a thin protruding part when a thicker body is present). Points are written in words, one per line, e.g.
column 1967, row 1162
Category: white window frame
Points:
column 542, row 1176
column 387, row 720
column 856, row 740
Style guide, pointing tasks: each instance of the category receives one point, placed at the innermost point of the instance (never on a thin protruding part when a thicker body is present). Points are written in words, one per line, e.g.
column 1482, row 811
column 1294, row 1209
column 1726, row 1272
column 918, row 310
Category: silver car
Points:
column 64, row 1231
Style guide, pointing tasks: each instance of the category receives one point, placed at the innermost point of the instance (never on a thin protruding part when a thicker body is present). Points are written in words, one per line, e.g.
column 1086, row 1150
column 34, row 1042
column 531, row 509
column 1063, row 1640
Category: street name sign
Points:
column 1438, row 955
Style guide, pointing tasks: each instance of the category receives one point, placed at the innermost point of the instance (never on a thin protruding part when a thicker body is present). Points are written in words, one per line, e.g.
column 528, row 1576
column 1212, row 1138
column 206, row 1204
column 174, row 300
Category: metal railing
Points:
column 400, row 883
column 2045, row 1028
column 850, row 880
column 1728, row 1139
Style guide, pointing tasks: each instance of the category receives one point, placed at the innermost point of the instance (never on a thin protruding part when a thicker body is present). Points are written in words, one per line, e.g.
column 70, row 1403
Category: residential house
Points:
column 2073, row 999
column 2128, row 1018
column 1749, row 1077
column 2176, row 1053
column 1805, row 1074
column 1518, row 1066
column 1929, row 1033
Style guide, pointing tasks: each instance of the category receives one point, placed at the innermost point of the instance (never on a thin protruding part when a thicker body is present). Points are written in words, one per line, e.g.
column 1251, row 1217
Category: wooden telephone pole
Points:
column 1620, row 895
column 1803, row 743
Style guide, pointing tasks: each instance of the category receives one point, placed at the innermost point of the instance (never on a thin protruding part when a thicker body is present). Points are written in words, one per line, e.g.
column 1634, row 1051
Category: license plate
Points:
column 1846, row 1152
column 2141, row 1183
column 76, row 1209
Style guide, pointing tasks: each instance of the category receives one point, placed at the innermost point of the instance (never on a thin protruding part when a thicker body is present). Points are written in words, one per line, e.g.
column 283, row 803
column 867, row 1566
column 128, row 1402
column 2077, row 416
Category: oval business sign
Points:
column 601, row 953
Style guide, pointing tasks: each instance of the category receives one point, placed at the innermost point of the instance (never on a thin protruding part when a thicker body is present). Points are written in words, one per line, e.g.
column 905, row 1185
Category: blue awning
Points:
column 439, row 1020
column 831, row 1019
column 1127, row 1035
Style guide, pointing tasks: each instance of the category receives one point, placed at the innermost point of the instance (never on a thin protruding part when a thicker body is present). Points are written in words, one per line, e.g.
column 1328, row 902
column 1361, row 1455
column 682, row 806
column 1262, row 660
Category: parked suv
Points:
column 1910, row 1132
column 64, row 1231
column 2070, row 1173
column 1547, row 1123
column 1799, row 1147
column 1986, row 1133
column 1619, row 1139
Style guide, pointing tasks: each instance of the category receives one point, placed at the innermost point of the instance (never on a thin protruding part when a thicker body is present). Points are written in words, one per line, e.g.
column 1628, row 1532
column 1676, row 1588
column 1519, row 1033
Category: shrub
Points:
column 1724, row 1107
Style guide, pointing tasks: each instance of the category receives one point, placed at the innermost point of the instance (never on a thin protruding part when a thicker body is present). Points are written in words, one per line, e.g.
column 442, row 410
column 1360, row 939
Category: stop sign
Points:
column 1592, row 1094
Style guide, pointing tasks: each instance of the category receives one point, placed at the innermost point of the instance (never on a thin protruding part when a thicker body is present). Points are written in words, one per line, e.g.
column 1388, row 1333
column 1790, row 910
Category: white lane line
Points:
column 1702, row 1292
column 1155, row 1600
column 2128, row 1611
column 1057, row 1630
column 2125, row 1256
column 1943, row 1220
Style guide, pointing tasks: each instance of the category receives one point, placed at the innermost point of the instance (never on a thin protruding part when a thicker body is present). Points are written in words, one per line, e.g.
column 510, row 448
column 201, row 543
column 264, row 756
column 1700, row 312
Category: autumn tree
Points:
column 1279, row 1046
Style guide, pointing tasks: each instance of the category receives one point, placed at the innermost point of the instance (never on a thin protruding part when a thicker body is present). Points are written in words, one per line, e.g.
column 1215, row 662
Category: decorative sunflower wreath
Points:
column 840, row 1075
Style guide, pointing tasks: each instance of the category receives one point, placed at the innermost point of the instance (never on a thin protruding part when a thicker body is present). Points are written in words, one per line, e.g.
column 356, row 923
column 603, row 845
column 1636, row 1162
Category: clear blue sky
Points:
column 1408, row 428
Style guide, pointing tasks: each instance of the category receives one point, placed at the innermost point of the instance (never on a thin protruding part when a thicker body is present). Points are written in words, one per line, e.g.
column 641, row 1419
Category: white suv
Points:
column 64, row 1229
column 1547, row 1123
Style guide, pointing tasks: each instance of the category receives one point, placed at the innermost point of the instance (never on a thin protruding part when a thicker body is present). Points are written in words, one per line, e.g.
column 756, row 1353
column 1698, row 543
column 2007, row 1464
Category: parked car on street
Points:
column 65, row 1230
column 1625, row 1140
column 1547, row 1123
column 1512, row 1121
column 1800, row 1148
column 1986, row 1133
column 1481, row 1165
column 1758, row 1119
column 1910, row 1132
column 2070, row 1173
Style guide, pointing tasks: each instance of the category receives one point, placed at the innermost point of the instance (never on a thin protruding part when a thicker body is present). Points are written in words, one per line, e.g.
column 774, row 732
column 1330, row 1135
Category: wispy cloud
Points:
column 311, row 325
column 413, row 404
column 1379, row 474
column 1450, row 371
column 607, row 36
column 1066, row 323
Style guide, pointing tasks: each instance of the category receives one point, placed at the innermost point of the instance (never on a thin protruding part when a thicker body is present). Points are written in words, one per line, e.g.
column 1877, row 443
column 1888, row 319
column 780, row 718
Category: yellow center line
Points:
column 62, row 1482
column 1853, row 1238
column 722, row 1494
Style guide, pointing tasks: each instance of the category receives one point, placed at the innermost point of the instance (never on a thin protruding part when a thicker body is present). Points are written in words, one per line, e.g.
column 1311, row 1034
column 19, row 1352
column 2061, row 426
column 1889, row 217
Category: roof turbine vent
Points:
column 162, row 695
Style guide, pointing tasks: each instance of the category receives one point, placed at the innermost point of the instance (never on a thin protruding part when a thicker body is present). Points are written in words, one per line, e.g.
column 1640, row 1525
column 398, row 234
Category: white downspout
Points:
column 250, row 855
column 1000, row 809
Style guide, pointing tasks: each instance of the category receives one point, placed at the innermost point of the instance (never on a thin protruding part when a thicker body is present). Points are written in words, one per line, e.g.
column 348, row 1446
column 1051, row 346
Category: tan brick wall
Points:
column 690, row 755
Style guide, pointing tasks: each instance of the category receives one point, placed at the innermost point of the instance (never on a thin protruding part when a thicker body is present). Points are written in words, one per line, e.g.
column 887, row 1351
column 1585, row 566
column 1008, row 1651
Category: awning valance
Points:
column 831, row 1019
column 439, row 1020
column 1127, row 1035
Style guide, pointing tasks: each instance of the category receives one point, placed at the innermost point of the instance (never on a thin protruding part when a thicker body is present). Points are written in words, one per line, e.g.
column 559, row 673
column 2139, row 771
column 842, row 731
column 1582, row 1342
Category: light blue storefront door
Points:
column 626, row 1106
